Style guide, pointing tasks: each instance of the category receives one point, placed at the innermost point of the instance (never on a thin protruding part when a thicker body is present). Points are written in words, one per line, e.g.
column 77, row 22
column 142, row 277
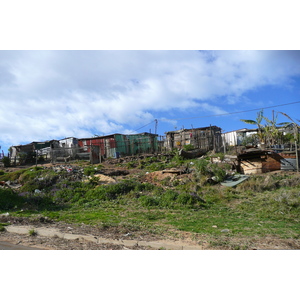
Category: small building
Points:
column 237, row 137
column 23, row 153
column 116, row 145
column 256, row 161
column 67, row 149
column 69, row 142
column 206, row 138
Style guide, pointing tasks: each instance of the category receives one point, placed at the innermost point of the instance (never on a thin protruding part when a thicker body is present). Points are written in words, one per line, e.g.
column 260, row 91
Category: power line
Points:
column 231, row 113
column 145, row 125
column 218, row 115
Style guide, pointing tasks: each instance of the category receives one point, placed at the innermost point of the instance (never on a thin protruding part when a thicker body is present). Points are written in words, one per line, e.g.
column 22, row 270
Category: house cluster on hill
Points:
column 117, row 145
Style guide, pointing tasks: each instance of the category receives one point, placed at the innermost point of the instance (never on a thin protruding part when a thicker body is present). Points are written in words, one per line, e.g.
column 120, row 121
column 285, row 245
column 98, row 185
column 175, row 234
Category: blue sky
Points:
column 55, row 94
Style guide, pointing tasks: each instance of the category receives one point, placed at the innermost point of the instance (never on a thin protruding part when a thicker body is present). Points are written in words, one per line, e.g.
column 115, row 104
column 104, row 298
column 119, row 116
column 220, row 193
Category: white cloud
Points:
column 54, row 94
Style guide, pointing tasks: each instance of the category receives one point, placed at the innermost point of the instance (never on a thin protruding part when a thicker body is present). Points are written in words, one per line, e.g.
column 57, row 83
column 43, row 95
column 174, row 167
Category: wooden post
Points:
column 100, row 158
column 296, row 146
column 224, row 144
column 91, row 154
column 297, row 158
column 36, row 155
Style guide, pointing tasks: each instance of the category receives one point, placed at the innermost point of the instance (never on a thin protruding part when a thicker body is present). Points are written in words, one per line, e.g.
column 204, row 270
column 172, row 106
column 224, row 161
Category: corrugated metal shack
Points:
column 256, row 161
column 206, row 138
column 116, row 145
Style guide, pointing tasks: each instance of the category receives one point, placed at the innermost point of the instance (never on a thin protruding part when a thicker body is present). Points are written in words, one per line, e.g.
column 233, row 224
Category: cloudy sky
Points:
column 55, row 94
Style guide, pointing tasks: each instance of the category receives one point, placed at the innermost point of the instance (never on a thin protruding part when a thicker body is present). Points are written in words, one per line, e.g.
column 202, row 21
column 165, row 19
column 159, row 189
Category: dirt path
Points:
column 42, row 234
column 63, row 237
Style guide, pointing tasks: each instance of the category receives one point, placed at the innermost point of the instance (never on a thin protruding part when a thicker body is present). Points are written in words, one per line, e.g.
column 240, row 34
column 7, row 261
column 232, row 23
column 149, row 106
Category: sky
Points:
column 51, row 94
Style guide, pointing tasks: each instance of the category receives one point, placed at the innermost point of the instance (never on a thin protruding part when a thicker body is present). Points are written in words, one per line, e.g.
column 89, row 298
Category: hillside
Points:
column 152, row 198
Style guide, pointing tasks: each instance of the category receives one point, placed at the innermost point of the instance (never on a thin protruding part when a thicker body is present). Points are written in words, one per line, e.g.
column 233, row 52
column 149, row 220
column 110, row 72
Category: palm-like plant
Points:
column 271, row 130
column 260, row 127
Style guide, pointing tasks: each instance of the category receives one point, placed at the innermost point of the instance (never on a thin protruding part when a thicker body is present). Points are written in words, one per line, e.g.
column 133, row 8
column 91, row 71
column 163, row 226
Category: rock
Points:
column 103, row 179
column 225, row 230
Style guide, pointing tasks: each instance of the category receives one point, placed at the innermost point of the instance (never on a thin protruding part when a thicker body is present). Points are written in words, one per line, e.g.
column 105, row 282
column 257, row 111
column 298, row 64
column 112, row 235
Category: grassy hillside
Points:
column 193, row 202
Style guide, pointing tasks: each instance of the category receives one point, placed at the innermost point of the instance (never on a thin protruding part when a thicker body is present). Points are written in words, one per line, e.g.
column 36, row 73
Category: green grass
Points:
column 261, row 206
column 32, row 232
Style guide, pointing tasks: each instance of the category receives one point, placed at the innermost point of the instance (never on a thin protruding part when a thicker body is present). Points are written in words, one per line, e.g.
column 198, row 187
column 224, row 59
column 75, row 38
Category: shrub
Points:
column 9, row 200
column 6, row 161
column 219, row 172
column 188, row 147
column 187, row 199
column 148, row 201
column 131, row 165
column 177, row 160
column 89, row 171
column 168, row 199
column 201, row 166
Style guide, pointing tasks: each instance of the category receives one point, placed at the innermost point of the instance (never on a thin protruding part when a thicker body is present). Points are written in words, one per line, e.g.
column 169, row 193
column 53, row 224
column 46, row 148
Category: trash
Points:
column 225, row 230
column 37, row 191
column 214, row 226
column 5, row 214
column 234, row 180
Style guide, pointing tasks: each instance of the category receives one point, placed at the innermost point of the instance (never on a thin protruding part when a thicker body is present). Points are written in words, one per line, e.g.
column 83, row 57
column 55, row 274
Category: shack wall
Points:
column 206, row 138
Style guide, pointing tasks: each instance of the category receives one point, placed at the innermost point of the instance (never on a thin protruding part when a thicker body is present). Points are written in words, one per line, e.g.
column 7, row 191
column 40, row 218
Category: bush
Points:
column 168, row 199
column 148, row 201
column 6, row 161
column 89, row 171
column 9, row 200
column 201, row 166
column 187, row 199
column 219, row 172
column 188, row 147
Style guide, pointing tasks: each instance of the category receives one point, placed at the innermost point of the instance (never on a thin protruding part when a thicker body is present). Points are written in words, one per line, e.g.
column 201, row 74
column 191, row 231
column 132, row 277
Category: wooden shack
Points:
column 206, row 138
column 256, row 161
column 259, row 161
